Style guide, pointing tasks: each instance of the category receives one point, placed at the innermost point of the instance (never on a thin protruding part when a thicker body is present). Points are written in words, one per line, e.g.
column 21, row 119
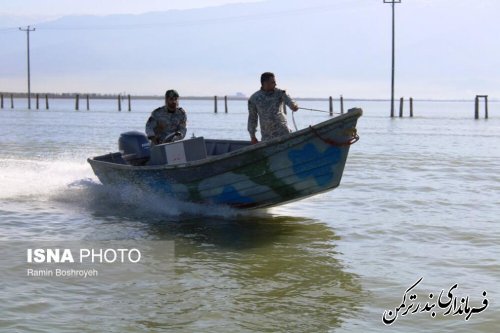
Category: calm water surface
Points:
column 419, row 198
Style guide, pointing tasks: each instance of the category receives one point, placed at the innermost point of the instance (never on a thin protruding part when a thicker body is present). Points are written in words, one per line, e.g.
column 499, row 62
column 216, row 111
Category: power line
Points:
column 8, row 29
column 208, row 21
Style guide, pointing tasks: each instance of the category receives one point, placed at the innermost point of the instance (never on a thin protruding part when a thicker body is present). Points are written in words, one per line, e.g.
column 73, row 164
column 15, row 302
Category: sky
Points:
column 445, row 48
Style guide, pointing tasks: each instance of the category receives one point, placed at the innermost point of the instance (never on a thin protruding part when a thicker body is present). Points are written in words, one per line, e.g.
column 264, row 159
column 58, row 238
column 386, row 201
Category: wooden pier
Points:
column 128, row 98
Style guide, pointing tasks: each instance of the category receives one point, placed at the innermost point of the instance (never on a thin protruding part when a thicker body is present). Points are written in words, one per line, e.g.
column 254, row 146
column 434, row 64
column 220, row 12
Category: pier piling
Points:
column 77, row 102
column 215, row 104
column 37, row 96
column 88, row 102
column 1, row 101
column 225, row 104
column 11, row 101
column 46, row 101
column 129, row 103
column 486, row 106
column 411, row 107
column 330, row 100
column 119, row 102
column 401, row 102
column 341, row 104
column 476, row 106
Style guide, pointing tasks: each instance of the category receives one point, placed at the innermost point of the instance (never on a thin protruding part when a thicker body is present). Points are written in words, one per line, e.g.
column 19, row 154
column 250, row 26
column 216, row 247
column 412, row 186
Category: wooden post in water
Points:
column 1, row 100
column 88, row 102
column 37, row 101
column 46, row 101
column 119, row 102
column 476, row 108
column 411, row 106
column 225, row 103
column 330, row 100
column 215, row 104
column 77, row 102
column 486, row 107
column 129, row 103
column 401, row 101
column 11, row 101
column 341, row 104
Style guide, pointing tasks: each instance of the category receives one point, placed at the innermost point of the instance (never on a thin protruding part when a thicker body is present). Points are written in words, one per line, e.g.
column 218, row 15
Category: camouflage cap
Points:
column 171, row 93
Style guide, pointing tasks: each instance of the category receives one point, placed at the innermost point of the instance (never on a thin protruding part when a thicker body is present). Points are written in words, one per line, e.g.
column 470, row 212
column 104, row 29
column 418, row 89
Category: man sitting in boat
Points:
column 167, row 123
column 267, row 105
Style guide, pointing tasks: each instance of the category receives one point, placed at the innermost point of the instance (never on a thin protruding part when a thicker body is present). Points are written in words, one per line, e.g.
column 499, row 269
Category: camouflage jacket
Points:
column 162, row 123
column 268, row 108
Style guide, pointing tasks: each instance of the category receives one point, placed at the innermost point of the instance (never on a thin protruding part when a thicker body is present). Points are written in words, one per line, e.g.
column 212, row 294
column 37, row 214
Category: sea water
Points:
column 418, row 205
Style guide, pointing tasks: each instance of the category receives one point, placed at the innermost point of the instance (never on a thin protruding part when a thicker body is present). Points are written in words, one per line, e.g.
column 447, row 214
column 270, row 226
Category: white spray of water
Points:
column 27, row 178
column 136, row 201
column 73, row 182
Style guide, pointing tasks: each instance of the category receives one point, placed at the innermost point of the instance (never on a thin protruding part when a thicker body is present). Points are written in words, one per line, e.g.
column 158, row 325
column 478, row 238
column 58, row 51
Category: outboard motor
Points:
column 134, row 147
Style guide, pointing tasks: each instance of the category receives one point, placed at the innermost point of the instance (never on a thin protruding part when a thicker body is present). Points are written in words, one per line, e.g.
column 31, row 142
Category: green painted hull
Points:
column 288, row 168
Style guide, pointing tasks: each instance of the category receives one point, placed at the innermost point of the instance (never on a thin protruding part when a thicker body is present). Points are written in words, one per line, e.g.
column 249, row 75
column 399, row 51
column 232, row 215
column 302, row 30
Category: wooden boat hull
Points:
column 292, row 167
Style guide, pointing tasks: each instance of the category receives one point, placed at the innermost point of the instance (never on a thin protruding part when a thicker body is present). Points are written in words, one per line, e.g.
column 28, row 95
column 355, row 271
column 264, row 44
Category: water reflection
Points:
column 261, row 273
column 234, row 271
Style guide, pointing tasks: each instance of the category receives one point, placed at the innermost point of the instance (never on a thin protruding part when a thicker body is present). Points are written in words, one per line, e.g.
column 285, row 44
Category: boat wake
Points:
column 33, row 179
column 72, row 183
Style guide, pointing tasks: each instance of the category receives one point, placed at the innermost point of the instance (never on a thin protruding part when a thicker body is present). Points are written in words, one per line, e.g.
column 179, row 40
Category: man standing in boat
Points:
column 266, row 105
column 167, row 123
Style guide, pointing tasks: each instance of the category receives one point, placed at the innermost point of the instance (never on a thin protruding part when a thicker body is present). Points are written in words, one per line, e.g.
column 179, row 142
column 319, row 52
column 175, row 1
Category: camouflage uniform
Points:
column 162, row 123
column 268, row 106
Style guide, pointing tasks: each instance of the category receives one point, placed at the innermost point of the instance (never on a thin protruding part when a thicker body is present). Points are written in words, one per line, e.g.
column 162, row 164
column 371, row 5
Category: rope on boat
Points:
column 294, row 123
column 353, row 139
column 316, row 110
column 308, row 109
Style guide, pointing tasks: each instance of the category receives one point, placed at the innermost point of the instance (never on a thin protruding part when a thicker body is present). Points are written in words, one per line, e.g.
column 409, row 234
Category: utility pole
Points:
column 393, row 2
column 28, row 29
